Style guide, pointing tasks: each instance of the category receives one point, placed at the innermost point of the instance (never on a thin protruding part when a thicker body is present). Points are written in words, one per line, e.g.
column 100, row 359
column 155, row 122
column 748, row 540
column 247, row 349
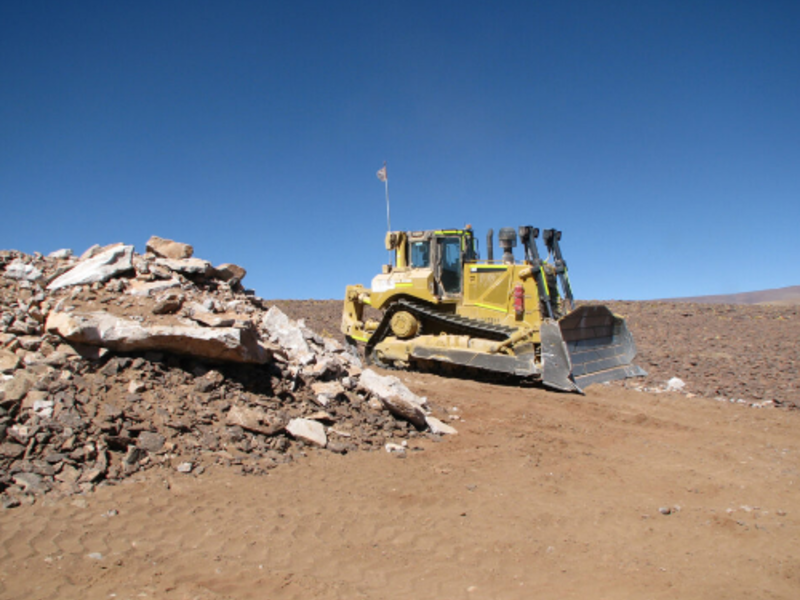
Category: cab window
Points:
column 421, row 254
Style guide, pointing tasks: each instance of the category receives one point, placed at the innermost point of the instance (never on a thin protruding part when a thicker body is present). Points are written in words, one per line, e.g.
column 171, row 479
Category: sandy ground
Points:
column 540, row 495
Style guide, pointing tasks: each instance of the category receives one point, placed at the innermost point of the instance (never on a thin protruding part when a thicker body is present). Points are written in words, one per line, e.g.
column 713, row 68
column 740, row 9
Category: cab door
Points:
column 449, row 272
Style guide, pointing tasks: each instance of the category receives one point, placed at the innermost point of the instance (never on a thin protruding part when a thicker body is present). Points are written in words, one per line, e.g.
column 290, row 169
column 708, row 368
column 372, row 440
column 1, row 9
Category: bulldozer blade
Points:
column 519, row 366
column 599, row 344
column 556, row 363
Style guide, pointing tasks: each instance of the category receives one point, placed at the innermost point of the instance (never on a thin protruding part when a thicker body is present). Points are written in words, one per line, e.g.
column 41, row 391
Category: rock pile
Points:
column 115, row 362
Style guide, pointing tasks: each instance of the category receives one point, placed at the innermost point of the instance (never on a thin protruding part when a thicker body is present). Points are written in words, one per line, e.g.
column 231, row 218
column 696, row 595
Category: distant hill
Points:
column 787, row 295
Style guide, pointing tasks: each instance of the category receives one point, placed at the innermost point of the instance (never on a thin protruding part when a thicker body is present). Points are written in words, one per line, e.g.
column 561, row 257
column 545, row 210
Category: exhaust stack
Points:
column 508, row 240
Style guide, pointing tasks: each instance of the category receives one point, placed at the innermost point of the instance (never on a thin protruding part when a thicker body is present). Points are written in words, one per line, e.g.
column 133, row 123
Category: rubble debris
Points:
column 118, row 362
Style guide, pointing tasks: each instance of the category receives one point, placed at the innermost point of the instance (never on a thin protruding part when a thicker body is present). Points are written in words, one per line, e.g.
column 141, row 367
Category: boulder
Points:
column 229, row 272
column 309, row 431
column 186, row 266
column 112, row 262
column 395, row 397
column 21, row 271
column 168, row 248
column 229, row 344
column 288, row 335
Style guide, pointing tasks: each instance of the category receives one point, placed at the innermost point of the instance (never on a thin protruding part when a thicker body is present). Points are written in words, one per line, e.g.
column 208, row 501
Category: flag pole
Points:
column 386, row 184
column 384, row 177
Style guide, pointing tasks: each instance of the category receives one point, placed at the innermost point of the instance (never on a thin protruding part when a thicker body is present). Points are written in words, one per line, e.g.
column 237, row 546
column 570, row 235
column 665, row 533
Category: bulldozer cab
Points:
column 443, row 251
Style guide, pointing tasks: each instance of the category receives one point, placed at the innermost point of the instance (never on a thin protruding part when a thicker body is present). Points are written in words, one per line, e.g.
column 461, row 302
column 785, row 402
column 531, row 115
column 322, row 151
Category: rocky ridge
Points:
column 114, row 362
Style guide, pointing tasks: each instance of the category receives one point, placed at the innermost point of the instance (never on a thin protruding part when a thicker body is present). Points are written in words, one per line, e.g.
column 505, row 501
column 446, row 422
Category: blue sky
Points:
column 663, row 138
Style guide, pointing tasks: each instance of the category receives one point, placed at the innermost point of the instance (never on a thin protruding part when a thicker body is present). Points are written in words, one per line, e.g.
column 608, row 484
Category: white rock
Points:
column 20, row 271
column 99, row 268
column 389, row 386
column 391, row 447
column 395, row 396
column 308, row 431
column 288, row 335
column 764, row 404
column 63, row 253
column 438, row 427
column 675, row 385
column 184, row 467
column 43, row 408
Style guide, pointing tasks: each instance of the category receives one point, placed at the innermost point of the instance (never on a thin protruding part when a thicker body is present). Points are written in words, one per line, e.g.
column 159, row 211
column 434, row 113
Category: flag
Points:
column 382, row 174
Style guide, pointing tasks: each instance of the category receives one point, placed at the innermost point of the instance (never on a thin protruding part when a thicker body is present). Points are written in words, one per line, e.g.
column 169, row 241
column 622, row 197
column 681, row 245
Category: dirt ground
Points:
column 731, row 351
column 616, row 494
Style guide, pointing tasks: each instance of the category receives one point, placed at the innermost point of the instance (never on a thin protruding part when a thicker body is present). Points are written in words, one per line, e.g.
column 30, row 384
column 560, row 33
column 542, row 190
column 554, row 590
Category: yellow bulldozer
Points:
column 441, row 303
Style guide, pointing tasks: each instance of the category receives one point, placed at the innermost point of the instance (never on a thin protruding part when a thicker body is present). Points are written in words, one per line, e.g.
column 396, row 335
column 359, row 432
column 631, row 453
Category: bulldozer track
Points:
column 455, row 324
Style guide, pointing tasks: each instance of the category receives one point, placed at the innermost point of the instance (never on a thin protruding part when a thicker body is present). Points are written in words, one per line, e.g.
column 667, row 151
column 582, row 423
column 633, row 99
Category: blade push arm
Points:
column 528, row 235
column 551, row 239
